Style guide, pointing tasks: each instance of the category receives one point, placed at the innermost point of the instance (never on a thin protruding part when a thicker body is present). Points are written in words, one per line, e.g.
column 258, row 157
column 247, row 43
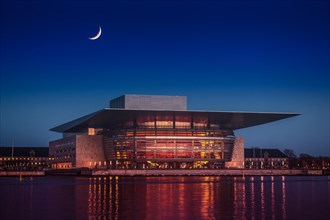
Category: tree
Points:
column 290, row 153
column 303, row 155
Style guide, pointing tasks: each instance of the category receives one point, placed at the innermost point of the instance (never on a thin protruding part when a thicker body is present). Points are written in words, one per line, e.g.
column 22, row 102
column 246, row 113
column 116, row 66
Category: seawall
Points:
column 22, row 173
column 229, row 172
column 225, row 172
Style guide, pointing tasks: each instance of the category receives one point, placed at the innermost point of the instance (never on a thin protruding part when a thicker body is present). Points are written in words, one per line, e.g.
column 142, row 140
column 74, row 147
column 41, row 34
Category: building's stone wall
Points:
column 237, row 160
column 89, row 151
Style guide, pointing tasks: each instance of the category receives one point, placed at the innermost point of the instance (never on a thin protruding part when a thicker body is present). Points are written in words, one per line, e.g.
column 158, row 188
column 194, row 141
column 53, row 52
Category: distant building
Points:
column 311, row 163
column 154, row 132
column 262, row 158
column 24, row 158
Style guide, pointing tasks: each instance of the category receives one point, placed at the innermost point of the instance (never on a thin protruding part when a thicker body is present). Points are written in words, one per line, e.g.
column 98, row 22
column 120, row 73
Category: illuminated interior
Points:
column 167, row 141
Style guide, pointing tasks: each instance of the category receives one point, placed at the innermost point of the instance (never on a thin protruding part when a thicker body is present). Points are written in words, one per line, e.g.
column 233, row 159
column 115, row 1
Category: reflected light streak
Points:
column 236, row 213
column 239, row 199
column 244, row 198
column 110, row 195
column 104, row 197
column 90, row 194
column 117, row 199
column 262, row 198
column 211, row 197
column 283, row 198
column 181, row 199
column 252, row 198
column 99, row 196
column 273, row 198
column 94, row 197
column 208, row 198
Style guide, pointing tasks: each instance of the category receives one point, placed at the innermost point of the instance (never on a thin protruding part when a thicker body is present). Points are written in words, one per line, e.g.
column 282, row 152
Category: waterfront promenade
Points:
column 224, row 172
column 22, row 173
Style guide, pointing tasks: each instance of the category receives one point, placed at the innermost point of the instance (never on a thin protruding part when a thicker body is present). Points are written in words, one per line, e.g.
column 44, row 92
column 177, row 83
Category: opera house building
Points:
column 154, row 132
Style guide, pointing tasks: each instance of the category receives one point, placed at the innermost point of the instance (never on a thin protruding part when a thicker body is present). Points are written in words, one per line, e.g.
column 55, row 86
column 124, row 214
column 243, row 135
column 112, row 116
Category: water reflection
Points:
column 187, row 197
column 268, row 197
column 239, row 198
column 103, row 198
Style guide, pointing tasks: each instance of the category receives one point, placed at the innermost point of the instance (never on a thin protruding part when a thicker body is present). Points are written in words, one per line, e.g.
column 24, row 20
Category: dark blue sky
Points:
column 224, row 55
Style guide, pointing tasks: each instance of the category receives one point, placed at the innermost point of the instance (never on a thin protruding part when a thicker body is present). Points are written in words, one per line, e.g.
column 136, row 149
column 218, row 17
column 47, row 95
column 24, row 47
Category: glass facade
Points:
column 160, row 140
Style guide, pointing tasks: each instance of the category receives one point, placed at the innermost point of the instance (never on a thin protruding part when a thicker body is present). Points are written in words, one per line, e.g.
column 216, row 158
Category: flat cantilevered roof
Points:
column 110, row 117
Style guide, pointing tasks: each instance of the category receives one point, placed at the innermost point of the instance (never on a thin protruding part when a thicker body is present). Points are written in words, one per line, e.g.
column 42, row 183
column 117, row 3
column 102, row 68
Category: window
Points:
column 164, row 121
column 182, row 121
column 145, row 121
column 200, row 121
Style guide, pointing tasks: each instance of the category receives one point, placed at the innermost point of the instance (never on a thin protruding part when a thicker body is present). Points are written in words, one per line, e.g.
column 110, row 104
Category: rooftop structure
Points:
column 150, row 102
column 128, row 118
column 263, row 152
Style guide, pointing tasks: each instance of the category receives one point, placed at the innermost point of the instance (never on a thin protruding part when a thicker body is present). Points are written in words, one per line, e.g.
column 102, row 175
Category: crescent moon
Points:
column 97, row 35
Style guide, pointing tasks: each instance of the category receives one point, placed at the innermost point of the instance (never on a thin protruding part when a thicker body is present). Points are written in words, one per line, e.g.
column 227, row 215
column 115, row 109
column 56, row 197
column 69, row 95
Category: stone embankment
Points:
column 229, row 172
column 225, row 172
column 22, row 173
